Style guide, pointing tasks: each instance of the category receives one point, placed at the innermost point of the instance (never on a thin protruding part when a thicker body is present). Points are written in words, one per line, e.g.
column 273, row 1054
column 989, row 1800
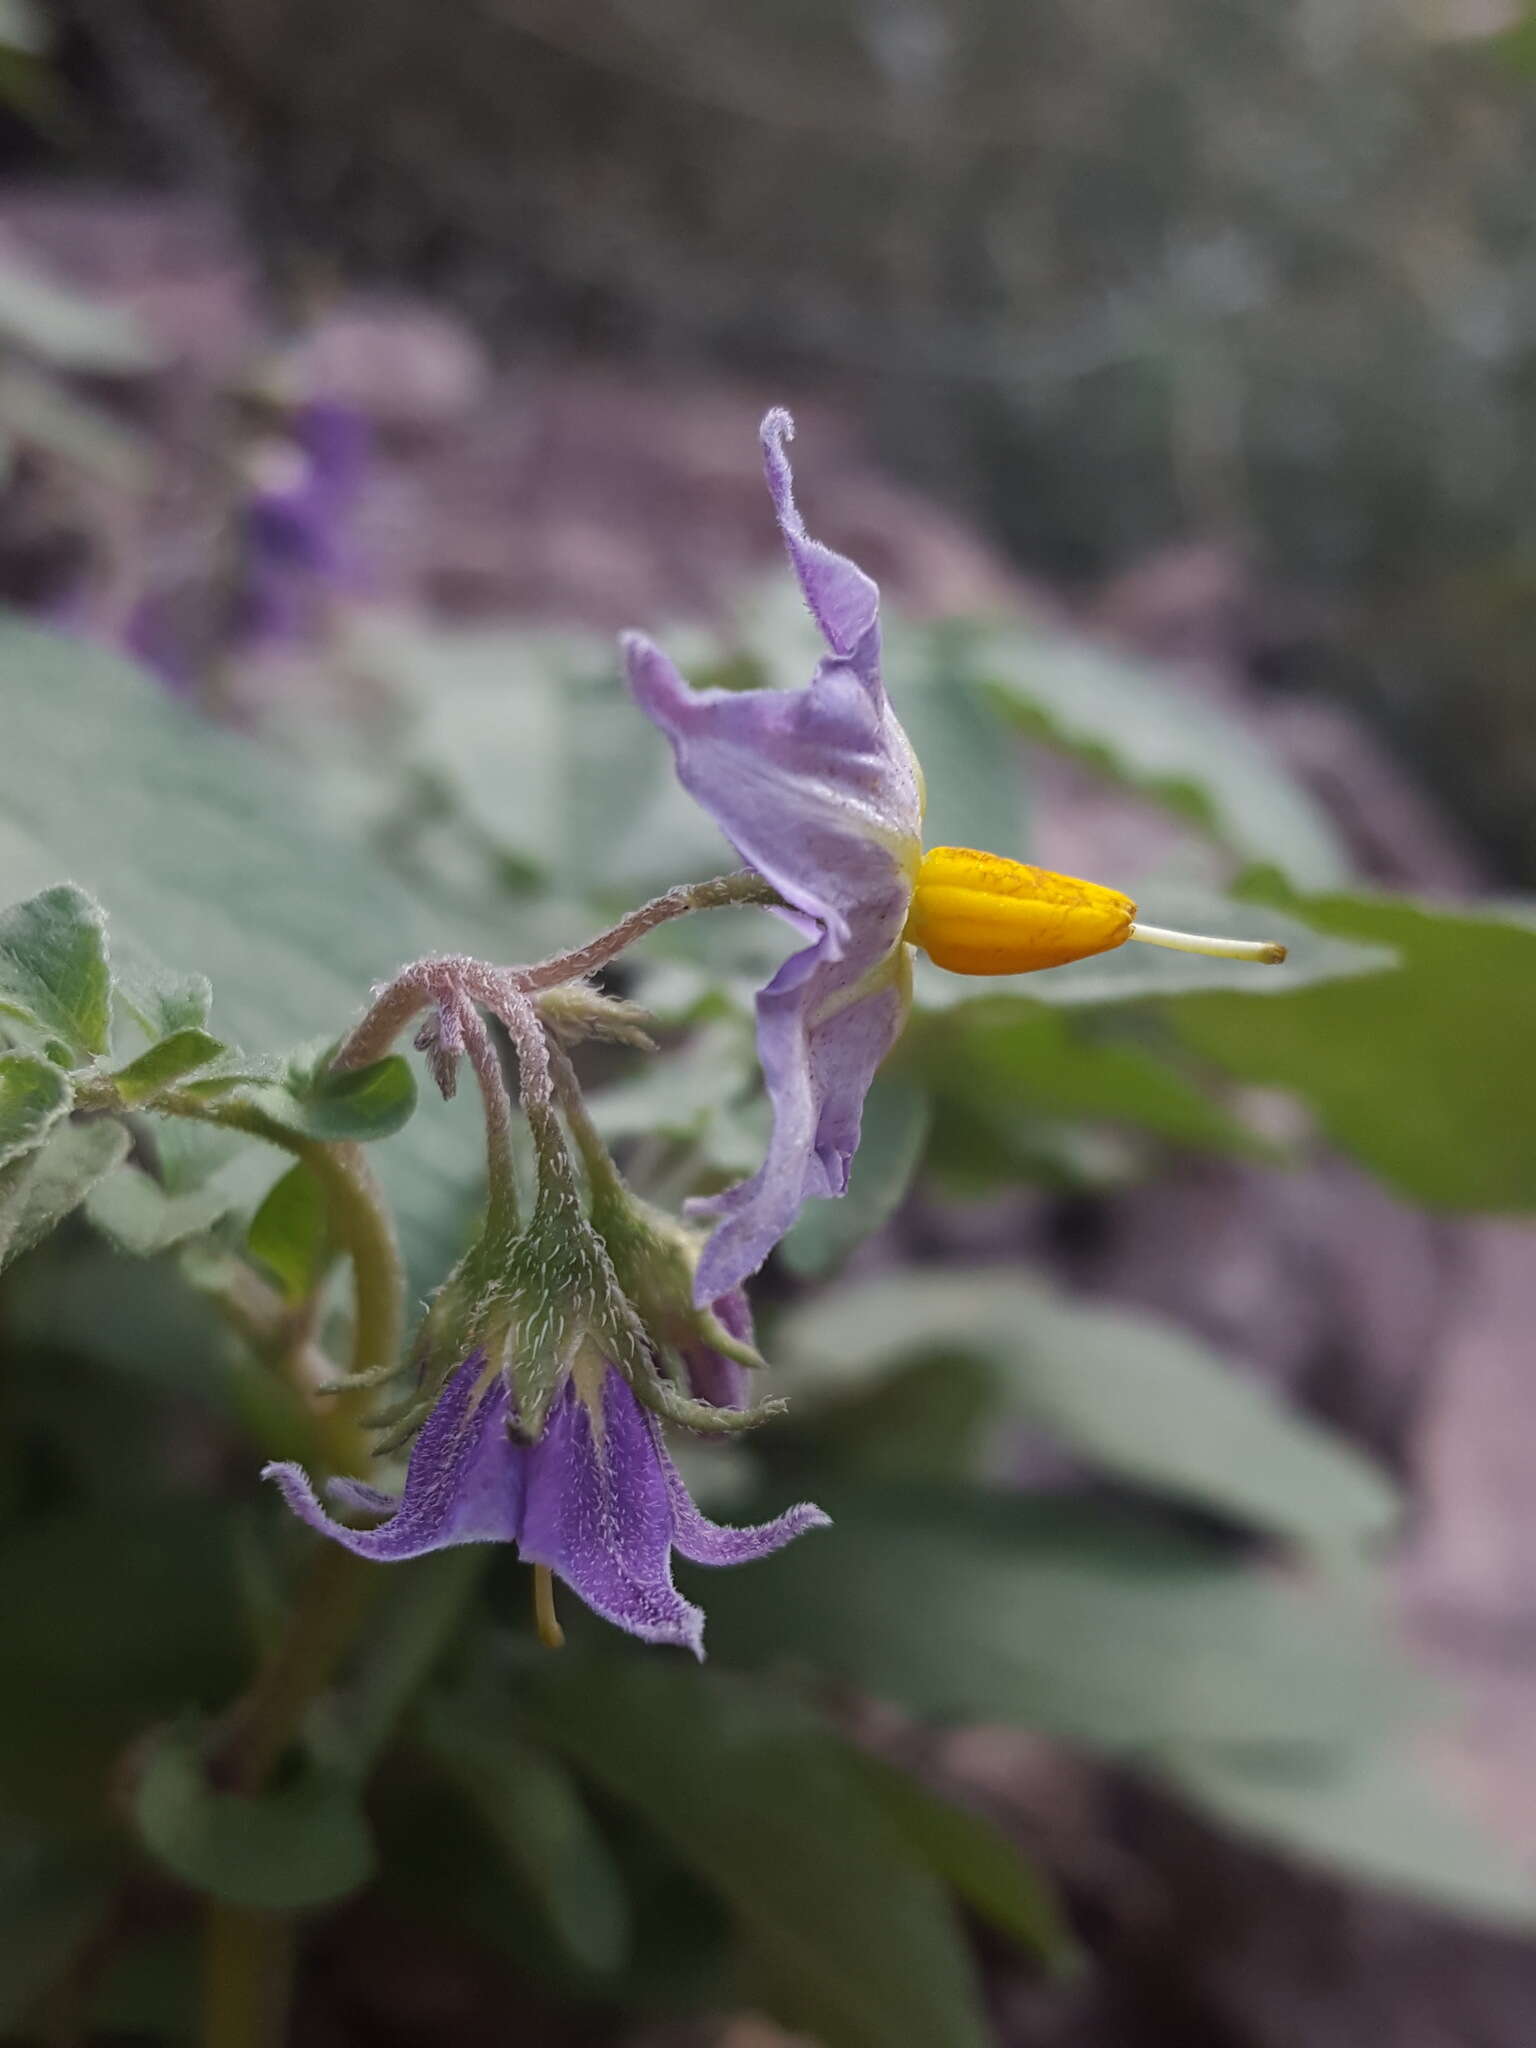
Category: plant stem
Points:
column 602, row 1174
column 247, row 1975
column 414, row 987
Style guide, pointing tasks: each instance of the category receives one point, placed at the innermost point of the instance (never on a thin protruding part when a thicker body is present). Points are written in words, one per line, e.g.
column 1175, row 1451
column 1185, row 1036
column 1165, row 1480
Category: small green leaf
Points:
column 53, row 968
column 540, row 1822
column 40, row 1190
column 361, row 1104
column 305, row 1844
column 972, row 1854
column 289, row 1234
column 33, row 1096
column 895, row 1129
column 159, row 1000
column 1377, row 1813
column 184, row 1052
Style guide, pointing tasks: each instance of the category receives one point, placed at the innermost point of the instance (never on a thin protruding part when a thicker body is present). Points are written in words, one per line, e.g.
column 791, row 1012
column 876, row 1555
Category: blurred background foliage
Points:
column 1099, row 279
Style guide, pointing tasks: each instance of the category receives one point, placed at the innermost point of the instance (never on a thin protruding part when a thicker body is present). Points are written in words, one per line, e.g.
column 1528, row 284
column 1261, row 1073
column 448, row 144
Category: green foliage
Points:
column 173, row 1058
column 533, row 1810
column 305, row 1844
column 53, row 969
column 975, row 1857
column 289, row 1234
column 1106, row 1630
column 891, row 1142
column 1165, row 742
column 1423, row 1074
column 845, row 1929
column 1380, row 1813
column 1129, row 1394
column 33, row 1096
column 37, row 1192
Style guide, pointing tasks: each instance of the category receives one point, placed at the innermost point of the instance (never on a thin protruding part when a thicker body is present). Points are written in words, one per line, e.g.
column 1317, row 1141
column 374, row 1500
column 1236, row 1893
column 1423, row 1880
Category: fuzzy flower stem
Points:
column 501, row 1175
column 536, row 1088
column 742, row 887
column 426, row 980
column 602, row 1174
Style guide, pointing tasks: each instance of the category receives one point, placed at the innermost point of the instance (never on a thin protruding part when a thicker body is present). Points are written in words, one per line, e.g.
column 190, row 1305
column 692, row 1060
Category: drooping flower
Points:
column 595, row 1498
column 818, row 789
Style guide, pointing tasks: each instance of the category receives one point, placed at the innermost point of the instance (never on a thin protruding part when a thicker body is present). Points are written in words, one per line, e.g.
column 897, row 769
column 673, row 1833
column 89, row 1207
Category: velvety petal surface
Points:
column 818, row 790
column 464, row 1483
column 599, row 1513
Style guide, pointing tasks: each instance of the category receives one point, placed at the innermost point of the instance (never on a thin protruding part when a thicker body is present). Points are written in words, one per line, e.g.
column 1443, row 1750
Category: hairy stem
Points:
column 742, row 887
column 425, row 981
column 602, row 1174
column 500, row 1168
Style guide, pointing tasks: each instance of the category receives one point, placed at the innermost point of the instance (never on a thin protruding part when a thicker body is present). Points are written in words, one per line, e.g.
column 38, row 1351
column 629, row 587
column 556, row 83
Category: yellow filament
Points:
column 976, row 913
column 546, row 1621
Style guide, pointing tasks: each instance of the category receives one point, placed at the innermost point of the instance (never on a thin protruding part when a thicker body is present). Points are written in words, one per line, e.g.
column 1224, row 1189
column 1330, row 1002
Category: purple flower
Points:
column 818, row 790
column 295, row 521
column 600, row 1504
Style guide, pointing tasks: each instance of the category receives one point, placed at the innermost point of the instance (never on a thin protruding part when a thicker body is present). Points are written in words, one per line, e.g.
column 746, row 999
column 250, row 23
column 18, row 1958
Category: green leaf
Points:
column 540, row 1822
column 1424, row 1074
column 1103, row 1629
column 1000, row 1065
column 973, row 1855
column 895, row 1128
column 138, row 1216
column 115, row 1618
column 39, row 1191
column 1131, row 1394
column 1156, row 736
column 218, row 856
column 160, row 1002
column 847, row 1933
column 289, row 1233
column 33, row 1096
column 1378, row 1814
column 305, row 1844
column 53, row 967
column 184, row 1052
column 363, row 1103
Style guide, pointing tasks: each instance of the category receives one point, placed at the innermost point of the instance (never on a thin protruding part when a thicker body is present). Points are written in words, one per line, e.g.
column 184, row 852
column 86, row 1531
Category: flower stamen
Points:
column 1268, row 952
column 545, row 1619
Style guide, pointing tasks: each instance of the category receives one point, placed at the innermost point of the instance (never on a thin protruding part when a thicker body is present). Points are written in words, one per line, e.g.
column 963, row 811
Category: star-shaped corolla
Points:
column 819, row 791
column 595, row 1499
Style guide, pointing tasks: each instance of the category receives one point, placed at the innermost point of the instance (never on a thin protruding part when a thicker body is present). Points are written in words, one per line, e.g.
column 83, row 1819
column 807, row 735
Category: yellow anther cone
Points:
column 976, row 913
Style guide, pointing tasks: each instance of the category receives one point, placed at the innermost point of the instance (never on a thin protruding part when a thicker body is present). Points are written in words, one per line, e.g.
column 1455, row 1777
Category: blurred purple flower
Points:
column 600, row 1504
column 296, row 543
column 819, row 790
